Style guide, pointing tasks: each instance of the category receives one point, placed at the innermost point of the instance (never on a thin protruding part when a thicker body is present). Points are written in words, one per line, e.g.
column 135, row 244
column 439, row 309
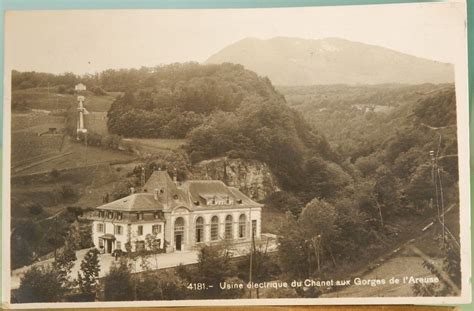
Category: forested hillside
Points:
column 403, row 165
column 221, row 110
column 360, row 168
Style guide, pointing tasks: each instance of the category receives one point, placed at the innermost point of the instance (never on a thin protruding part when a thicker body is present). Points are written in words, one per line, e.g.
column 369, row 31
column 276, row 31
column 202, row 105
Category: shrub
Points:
column 35, row 209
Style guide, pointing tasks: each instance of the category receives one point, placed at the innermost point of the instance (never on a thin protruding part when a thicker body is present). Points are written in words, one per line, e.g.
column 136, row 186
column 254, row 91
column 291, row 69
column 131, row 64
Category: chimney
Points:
column 132, row 190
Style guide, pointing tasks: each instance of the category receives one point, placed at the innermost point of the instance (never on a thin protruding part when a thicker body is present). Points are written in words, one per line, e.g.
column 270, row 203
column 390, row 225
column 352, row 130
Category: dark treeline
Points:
column 110, row 80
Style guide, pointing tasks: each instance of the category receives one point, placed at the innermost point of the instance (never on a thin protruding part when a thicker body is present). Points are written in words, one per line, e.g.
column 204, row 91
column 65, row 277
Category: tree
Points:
column 164, row 285
column 449, row 276
column 119, row 284
column 40, row 284
column 90, row 268
column 214, row 266
column 264, row 267
column 35, row 209
column 64, row 262
column 284, row 201
column 67, row 192
column 154, row 246
column 54, row 174
column 293, row 251
column 318, row 223
column 25, row 237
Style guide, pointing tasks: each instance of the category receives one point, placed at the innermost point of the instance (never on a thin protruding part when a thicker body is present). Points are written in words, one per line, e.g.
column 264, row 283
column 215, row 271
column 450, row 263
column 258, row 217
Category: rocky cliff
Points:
column 252, row 177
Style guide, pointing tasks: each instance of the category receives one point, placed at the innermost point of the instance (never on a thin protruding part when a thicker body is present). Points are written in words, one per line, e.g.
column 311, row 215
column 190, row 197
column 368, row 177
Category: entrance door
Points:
column 178, row 242
column 109, row 247
column 178, row 233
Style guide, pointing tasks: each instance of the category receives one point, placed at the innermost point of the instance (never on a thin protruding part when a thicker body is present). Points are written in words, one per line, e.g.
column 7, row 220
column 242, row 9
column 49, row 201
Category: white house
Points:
column 80, row 87
column 175, row 216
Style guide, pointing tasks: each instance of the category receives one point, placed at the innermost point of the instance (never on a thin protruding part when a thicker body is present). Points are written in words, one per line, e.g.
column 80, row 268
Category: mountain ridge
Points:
column 296, row 61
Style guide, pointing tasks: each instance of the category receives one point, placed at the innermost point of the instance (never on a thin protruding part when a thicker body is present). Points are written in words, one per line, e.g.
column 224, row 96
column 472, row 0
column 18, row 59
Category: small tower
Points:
column 80, row 120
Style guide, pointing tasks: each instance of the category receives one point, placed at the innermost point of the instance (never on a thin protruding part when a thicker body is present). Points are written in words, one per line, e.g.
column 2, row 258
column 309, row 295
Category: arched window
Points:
column 179, row 233
column 199, row 230
column 228, row 227
column 214, row 228
column 242, row 222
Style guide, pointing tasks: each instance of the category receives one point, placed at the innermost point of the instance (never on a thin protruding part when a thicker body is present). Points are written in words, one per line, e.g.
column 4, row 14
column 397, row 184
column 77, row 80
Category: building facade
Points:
column 176, row 216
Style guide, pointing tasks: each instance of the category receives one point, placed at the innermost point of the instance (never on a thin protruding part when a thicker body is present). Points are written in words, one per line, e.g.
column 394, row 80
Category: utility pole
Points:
column 251, row 252
column 438, row 192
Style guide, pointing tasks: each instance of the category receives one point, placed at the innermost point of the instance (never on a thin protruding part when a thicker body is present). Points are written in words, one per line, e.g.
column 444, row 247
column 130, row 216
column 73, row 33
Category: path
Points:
column 166, row 260
column 161, row 261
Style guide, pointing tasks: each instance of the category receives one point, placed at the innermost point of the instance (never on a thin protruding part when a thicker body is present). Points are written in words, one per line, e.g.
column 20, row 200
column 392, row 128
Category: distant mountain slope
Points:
column 293, row 61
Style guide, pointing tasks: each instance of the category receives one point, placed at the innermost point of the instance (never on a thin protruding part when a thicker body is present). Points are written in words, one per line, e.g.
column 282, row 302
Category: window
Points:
column 214, row 228
column 118, row 230
column 100, row 227
column 199, row 230
column 254, row 227
column 118, row 245
column 101, row 214
column 156, row 229
column 228, row 227
column 110, row 215
column 139, row 216
column 242, row 222
column 157, row 215
column 140, row 230
column 119, row 215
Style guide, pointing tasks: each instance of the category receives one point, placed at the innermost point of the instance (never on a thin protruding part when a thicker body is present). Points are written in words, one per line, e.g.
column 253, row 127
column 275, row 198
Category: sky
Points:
column 90, row 41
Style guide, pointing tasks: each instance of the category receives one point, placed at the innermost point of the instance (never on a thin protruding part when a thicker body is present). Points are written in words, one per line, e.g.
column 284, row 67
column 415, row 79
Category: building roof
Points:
column 203, row 190
column 159, row 180
column 168, row 194
column 161, row 193
column 134, row 202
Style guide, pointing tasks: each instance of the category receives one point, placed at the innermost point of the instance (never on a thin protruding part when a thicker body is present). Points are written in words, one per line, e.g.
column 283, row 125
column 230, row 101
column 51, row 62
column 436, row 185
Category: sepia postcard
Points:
column 250, row 156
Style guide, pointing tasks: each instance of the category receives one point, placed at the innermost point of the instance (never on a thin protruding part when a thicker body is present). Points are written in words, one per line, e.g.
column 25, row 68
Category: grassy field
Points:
column 150, row 146
column 41, row 98
column 29, row 147
column 86, row 172
column 35, row 121
column 76, row 155
column 47, row 109
column 99, row 103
